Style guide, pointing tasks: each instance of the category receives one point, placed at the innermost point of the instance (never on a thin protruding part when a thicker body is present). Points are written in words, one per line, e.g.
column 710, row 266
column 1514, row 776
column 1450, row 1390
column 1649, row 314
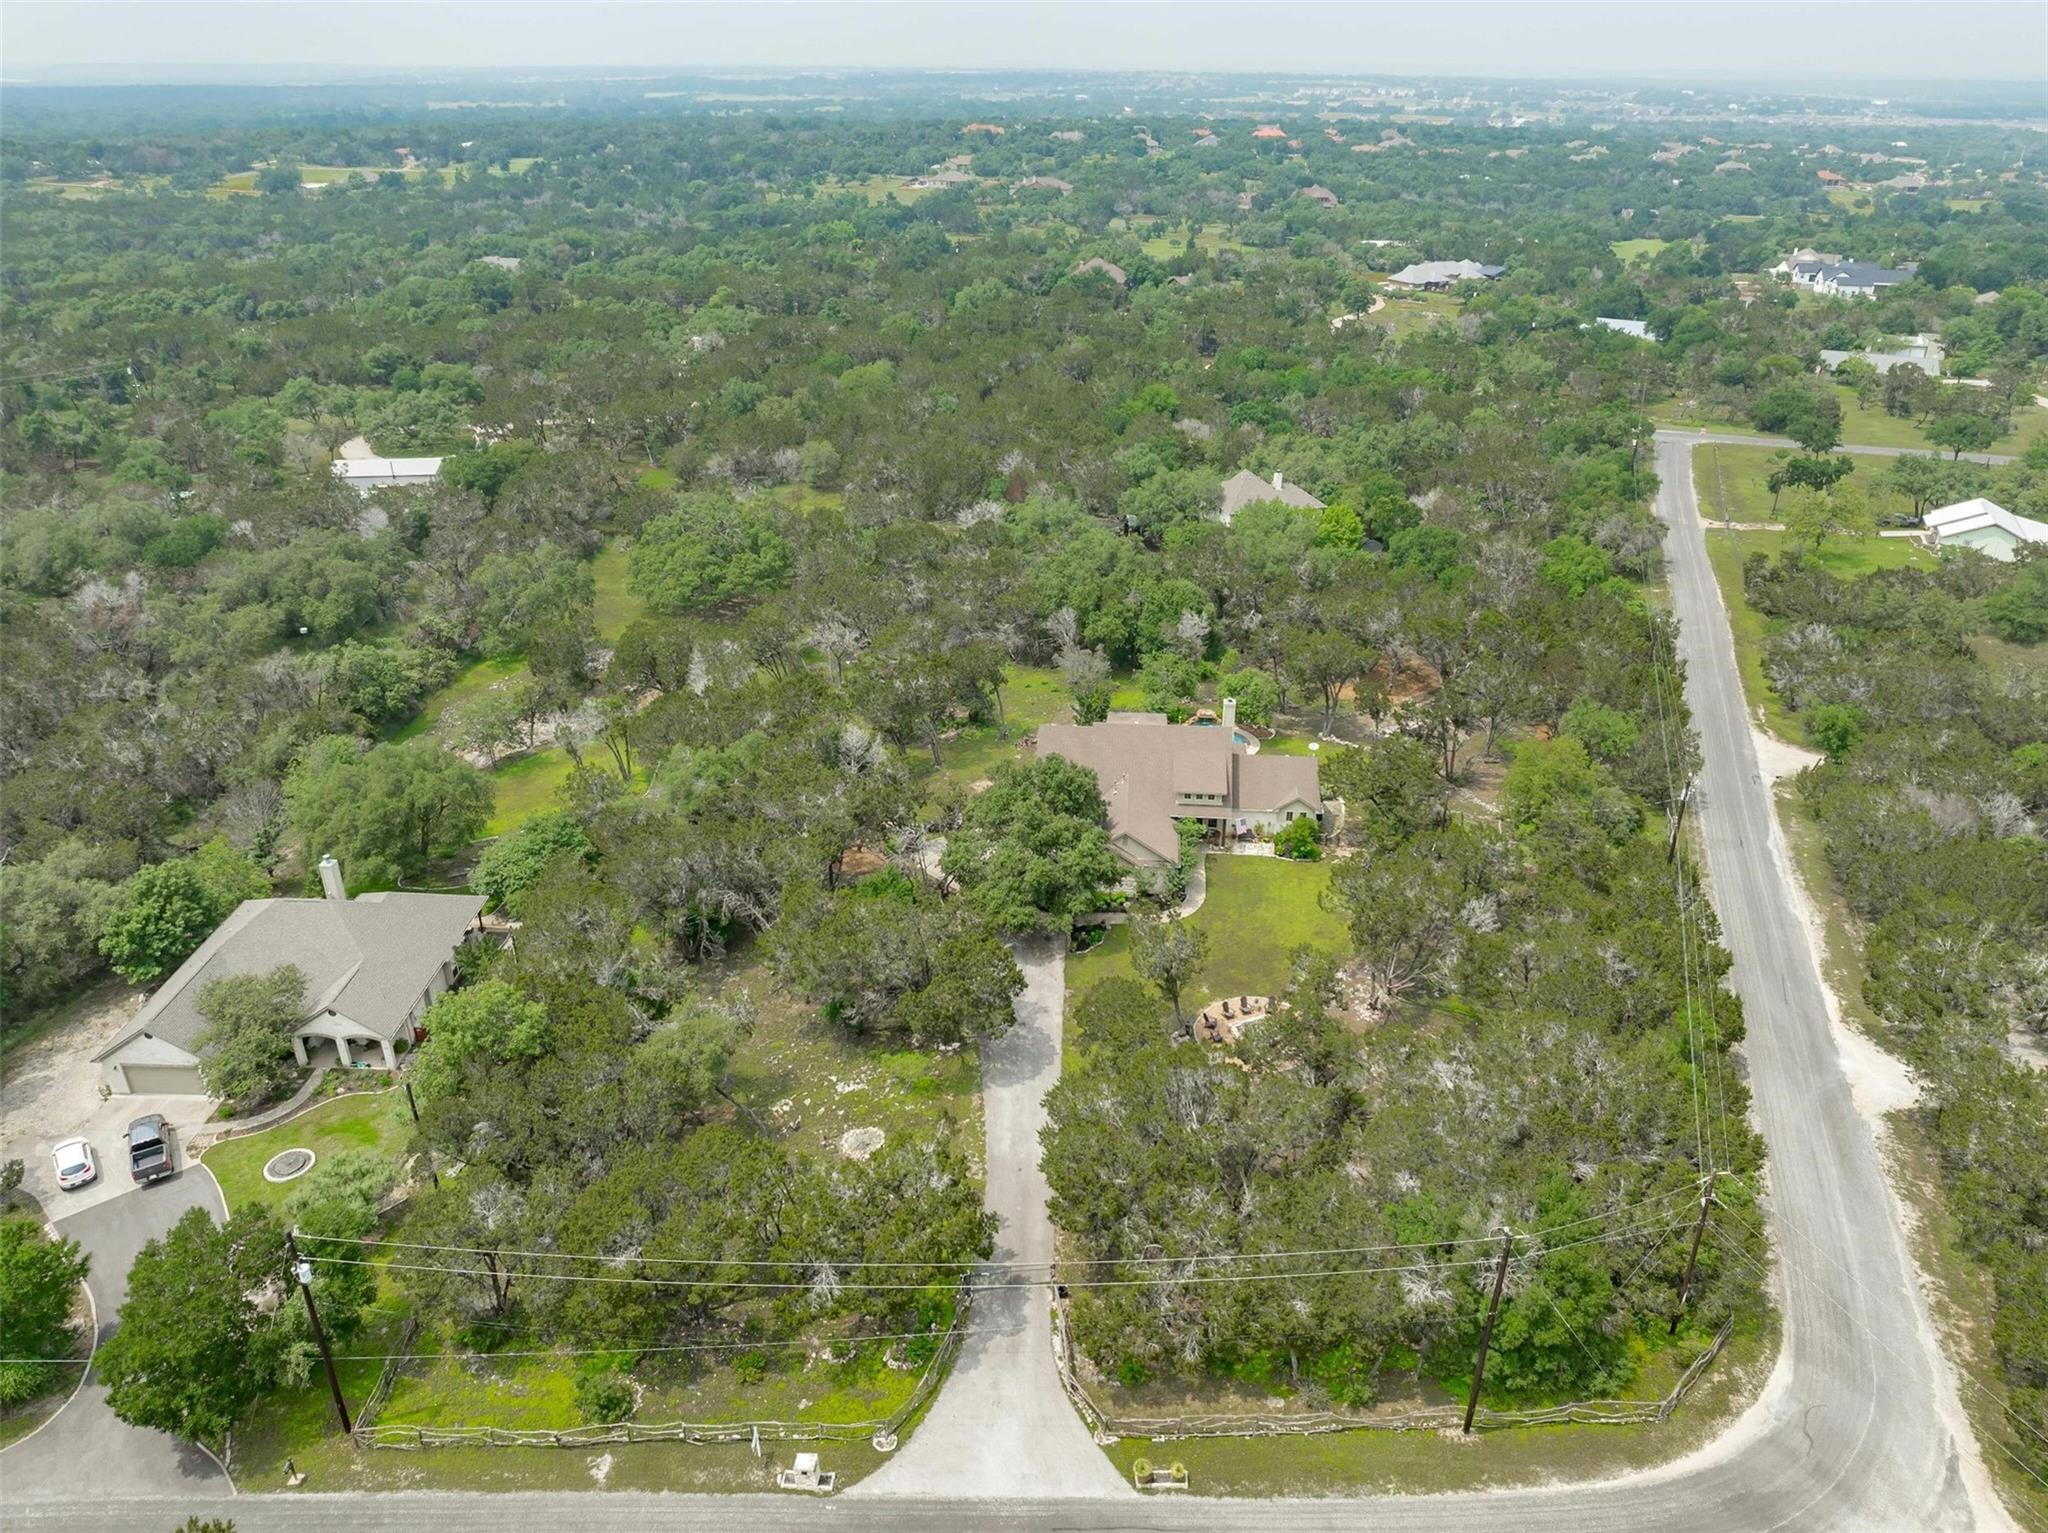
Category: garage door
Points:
column 164, row 1080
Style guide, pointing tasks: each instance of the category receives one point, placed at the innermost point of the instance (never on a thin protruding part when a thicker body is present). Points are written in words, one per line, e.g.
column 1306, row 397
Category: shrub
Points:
column 1300, row 839
column 604, row 1396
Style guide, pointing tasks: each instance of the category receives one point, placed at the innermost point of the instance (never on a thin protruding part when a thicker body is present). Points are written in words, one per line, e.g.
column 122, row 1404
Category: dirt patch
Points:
column 51, row 1085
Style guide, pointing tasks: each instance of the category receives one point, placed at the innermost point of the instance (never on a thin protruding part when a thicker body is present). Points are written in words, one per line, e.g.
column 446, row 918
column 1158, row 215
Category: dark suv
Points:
column 149, row 1149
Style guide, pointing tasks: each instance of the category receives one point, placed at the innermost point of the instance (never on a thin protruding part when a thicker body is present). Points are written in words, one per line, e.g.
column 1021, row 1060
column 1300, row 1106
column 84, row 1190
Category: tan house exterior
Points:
column 1154, row 774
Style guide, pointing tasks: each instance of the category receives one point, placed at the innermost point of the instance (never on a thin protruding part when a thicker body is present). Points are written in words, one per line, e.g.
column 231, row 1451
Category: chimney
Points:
column 1276, row 479
column 330, row 880
column 1230, row 713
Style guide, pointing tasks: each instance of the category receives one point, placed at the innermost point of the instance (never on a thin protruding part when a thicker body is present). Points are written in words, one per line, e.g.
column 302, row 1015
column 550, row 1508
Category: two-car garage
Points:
column 163, row 1080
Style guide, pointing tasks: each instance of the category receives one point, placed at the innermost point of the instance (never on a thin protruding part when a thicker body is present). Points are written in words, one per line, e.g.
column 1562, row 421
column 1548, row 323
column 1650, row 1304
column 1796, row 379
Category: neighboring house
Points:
column 1639, row 328
column 367, row 474
column 1153, row 774
column 1045, row 184
column 503, row 263
column 1923, row 351
column 1095, row 264
column 372, row 964
column 1985, row 526
column 1320, row 194
column 984, row 127
column 938, row 180
column 1833, row 178
column 1267, row 130
column 1848, row 279
column 1245, row 488
column 1801, row 256
column 1435, row 276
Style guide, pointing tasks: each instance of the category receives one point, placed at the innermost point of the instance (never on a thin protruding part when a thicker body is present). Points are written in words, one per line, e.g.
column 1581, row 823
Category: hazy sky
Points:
column 1790, row 41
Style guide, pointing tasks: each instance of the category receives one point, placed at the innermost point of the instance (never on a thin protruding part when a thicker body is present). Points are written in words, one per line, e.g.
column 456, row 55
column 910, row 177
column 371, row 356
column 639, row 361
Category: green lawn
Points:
column 1257, row 911
column 1865, row 427
column 470, row 683
column 617, row 606
column 524, row 786
column 1407, row 313
column 372, row 1120
column 1733, row 482
column 1628, row 252
column 1846, row 557
column 1353, row 1463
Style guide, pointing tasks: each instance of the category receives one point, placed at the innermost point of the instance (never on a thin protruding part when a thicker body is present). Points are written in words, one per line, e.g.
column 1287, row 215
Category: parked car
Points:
column 75, row 1164
column 149, row 1149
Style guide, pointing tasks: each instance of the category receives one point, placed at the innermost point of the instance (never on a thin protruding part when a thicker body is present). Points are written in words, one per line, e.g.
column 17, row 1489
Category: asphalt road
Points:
column 1850, row 1437
column 85, row 1449
column 1738, row 439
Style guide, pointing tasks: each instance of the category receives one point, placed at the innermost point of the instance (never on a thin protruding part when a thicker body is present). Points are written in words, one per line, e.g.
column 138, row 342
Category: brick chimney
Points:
column 330, row 880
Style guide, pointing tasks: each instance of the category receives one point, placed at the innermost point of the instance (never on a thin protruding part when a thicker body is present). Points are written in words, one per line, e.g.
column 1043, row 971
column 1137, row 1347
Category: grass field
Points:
column 874, row 189
column 1258, row 910
column 1846, row 557
column 1733, row 482
column 617, row 606
column 1354, row 1463
column 1866, row 427
column 361, row 1120
column 1628, row 252
column 1163, row 241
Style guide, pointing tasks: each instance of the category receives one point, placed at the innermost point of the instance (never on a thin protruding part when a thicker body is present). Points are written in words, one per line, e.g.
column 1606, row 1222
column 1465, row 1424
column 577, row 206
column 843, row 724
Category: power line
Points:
column 783, row 1264
column 802, row 1285
column 825, row 1342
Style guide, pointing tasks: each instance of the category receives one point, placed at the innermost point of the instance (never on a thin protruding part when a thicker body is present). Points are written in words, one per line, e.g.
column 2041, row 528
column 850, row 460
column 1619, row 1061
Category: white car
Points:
column 75, row 1164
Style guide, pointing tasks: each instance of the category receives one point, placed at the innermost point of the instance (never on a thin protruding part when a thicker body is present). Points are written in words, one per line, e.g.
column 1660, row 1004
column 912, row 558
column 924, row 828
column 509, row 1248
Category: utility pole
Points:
column 1671, row 849
column 1500, row 1281
column 303, row 1271
column 1692, row 1257
column 432, row 1173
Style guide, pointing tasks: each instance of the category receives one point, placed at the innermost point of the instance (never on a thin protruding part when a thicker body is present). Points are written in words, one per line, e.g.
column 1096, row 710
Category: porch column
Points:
column 341, row 1053
column 299, row 1050
column 390, row 1055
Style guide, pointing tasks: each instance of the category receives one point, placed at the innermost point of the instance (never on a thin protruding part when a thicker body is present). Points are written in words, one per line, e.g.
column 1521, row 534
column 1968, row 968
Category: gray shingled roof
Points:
column 1245, row 488
column 1139, row 766
column 367, row 959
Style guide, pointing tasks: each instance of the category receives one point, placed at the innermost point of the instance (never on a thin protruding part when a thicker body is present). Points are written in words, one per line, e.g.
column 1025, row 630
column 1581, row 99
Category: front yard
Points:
column 1257, row 911
column 361, row 1120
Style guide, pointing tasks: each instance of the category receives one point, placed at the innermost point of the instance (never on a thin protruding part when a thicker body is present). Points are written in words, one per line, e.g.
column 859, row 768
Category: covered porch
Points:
column 339, row 1044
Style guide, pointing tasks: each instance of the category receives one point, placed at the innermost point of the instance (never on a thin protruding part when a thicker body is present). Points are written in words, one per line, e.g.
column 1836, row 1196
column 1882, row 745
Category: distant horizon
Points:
column 1884, row 43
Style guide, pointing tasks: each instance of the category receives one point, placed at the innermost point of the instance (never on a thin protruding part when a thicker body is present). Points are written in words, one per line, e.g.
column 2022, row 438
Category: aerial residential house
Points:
column 938, row 180
column 1437, row 276
column 1267, row 130
column 367, row 474
column 1833, row 178
column 988, row 128
column 1848, row 279
column 1245, row 488
column 372, row 966
column 1153, row 774
column 1639, row 328
column 1096, row 265
column 1985, row 526
column 1922, row 351
column 503, row 263
column 1045, row 184
column 1803, row 256
column 1320, row 194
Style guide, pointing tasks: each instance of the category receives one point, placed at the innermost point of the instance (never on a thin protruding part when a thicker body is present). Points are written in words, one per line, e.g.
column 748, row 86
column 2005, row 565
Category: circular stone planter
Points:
column 287, row 1165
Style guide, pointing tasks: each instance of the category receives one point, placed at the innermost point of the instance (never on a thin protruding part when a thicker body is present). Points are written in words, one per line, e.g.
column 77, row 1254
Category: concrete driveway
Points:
column 85, row 1450
column 106, row 1128
column 1001, row 1425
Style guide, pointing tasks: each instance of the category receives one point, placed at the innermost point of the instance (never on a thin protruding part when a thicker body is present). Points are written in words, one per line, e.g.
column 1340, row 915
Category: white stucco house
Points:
column 367, row 474
column 372, row 966
column 1985, row 526
column 1153, row 774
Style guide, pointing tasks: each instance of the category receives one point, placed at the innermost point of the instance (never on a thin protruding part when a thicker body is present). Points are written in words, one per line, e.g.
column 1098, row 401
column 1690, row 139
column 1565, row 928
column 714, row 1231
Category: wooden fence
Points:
column 370, row 1435
column 1312, row 1423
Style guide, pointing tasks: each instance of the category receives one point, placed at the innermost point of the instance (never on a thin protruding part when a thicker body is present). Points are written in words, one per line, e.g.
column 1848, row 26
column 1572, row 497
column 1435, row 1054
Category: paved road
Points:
column 1851, row 1436
column 85, row 1449
column 1692, row 439
column 1002, row 1425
